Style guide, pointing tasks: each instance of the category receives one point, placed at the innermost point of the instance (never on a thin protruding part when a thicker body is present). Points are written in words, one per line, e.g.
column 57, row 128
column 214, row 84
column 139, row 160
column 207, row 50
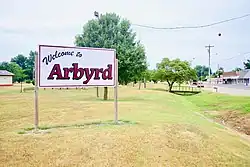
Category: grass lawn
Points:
column 231, row 110
column 162, row 129
column 216, row 101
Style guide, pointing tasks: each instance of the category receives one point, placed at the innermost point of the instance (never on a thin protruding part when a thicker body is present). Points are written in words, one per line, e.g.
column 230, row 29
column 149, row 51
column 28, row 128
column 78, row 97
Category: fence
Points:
column 189, row 89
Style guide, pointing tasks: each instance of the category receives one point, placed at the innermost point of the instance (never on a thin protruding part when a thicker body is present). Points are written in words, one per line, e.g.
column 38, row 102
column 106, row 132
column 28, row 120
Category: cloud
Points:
column 25, row 24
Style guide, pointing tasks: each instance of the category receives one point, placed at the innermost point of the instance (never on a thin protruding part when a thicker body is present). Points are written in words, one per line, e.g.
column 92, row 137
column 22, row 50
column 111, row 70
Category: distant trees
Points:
column 247, row 64
column 21, row 60
column 219, row 72
column 21, row 66
column 15, row 69
column 154, row 76
column 202, row 71
column 237, row 69
column 174, row 71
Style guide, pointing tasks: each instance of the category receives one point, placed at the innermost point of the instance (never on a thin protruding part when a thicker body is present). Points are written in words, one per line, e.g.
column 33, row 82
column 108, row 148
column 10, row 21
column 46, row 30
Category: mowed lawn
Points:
column 160, row 129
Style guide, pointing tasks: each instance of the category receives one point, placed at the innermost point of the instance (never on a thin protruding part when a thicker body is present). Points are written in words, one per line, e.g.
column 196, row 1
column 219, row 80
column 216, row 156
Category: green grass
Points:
column 221, row 102
column 161, row 129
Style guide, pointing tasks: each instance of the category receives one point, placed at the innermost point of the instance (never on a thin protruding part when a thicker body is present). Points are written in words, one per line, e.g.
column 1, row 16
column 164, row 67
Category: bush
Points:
column 28, row 89
column 28, row 81
column 33, row 82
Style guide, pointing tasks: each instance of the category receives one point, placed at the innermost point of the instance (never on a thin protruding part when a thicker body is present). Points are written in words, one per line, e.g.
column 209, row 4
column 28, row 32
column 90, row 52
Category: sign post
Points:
column 65, row 66
column 116, row 91
column 36, row 92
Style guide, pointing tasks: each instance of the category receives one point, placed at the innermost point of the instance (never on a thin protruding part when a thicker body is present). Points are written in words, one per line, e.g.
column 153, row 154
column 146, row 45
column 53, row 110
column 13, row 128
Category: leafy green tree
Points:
column 111, row 31
column 202, row 71
column 175, row 71
column 203, row 78
column 15, row 69
column 21, row 60
column 30, row 64
column 26, row 63
column 147, row 75
column 237, row 69
column 247, row 64
column 154, row 76
column 219, row 72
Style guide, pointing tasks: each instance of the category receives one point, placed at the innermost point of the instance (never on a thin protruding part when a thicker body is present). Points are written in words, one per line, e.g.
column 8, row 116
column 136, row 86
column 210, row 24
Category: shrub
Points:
column 28, row 81
column 33, row 82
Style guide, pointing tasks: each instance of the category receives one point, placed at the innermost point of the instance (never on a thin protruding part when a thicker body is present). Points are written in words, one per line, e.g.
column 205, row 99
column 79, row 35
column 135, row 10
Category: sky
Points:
column 26, row 24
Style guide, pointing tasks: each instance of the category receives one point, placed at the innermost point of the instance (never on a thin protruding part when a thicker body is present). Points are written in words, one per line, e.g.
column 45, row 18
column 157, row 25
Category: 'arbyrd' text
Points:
column 78, row 72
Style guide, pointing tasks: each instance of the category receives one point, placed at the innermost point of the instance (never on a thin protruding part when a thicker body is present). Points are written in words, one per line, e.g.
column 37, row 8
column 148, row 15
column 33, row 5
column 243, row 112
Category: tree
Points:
column 175, row 71
column 247, row 64
column 147, row 75
column 237, row 69
column 30, row 62
column 26, row 63
column 202, row 71
column 21, row 60
column 15, row 69
column 154, row 76
column 110, row 31
column 219, row 72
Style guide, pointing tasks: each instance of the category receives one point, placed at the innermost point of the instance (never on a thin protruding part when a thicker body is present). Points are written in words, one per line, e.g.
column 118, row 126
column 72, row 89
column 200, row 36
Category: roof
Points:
column 247, row 75
column 231, row 74
column 234, row 74
column 243, row 73
column 5, row 73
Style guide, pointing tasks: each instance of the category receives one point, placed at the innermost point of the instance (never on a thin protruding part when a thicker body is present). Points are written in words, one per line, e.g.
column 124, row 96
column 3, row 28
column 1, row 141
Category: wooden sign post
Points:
column 116, row 91
column 65, row 66
column 36, row 92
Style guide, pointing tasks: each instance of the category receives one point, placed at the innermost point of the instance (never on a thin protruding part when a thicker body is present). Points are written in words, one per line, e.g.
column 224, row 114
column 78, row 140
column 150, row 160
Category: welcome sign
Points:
column 62, row 66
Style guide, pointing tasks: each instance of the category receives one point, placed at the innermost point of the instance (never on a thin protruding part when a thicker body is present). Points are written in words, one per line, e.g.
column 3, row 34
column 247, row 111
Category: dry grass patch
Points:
column 168, row 132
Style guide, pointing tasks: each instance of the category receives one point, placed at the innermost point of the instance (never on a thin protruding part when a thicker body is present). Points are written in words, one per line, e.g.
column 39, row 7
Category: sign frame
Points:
column 37, row 70
column 74, row 47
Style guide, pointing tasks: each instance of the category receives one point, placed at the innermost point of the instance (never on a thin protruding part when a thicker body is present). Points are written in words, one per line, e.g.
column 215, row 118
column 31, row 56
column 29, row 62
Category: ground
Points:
column 234, row 89
column 159, row 129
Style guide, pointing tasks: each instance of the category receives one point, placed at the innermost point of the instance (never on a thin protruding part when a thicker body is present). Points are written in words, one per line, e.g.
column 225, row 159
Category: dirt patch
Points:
column 237, row 121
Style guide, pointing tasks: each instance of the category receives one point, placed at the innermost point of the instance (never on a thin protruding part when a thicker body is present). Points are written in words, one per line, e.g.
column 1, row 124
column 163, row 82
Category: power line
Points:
column 242, row 54
column 190, row 27
column 160, row 28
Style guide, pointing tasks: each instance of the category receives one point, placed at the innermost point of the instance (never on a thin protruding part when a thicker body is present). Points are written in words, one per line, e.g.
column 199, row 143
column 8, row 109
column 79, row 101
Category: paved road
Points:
column 239, row 90
column 236, row 86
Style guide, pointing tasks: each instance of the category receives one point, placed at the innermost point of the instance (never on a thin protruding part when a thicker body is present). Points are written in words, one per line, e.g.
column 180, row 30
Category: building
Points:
column 236, row 77
column 230, row 77
column 6, row 78
column 244, row 77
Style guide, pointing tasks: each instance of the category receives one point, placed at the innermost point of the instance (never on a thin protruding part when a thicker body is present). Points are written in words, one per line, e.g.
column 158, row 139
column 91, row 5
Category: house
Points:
column 244, row 76
column 6, row 78
column 236, row 77
column 230, row 77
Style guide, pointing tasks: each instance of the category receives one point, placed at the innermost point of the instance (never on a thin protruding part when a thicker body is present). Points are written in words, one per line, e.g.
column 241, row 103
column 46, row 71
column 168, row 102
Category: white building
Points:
column 6, row 78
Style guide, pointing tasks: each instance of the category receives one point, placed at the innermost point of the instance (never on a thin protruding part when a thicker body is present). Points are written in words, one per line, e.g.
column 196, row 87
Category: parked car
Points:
column 200, row 85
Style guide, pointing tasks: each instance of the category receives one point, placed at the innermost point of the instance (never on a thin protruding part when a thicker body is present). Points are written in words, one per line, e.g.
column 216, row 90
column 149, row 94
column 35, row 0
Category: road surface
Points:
column 238, row 90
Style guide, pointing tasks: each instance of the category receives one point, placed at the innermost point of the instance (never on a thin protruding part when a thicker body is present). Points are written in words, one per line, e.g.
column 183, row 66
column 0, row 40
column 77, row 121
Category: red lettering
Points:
column 66, row 73
column 56, row 70
column 107, row 73
column 97, row 71
column 88, row 75
column 78, row 73
column 76, row 70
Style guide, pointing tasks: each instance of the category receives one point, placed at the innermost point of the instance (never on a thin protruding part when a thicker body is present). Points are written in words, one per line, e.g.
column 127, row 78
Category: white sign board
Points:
column 60, row 66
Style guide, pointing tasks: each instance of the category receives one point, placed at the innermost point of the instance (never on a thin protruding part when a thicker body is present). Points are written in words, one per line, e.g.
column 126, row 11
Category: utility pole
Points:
column 96, row 14
column 218, row 77
column 209, row 57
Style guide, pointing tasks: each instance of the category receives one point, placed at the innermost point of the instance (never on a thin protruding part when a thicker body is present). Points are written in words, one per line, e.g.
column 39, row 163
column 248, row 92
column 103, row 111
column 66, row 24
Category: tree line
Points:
column 112, row 31
column 22, row 66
